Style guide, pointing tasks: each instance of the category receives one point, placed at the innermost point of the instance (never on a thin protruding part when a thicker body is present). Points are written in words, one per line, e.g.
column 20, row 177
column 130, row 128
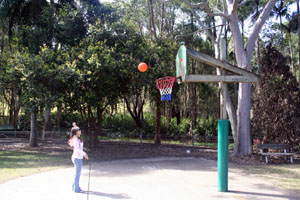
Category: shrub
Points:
column 149, row 124
column 119, row 122
column 24, row 122
column 184, row 126
column 66, row 119
column 206, row 127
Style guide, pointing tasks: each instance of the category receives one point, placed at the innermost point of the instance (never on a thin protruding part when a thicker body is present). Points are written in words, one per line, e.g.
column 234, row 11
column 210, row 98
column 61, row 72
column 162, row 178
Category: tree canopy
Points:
column 275, row 110
column 81, row 57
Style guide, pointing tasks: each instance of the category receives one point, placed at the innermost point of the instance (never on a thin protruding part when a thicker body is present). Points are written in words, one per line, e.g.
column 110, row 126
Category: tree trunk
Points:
column 58, row 117
column 47, row 123
column 243, row 144
column 258, row 57
column 242, row 137
column 292, row 53
column 16, row 112
column 220, row 53
column 176, row 113
column 169, row 107
column 91, row 125
column 137, row 112
column 192, row 101
column 151, row 15
column 162, row 16
column 11, row 105
column 282, row 38
column 97, row 127
column 15, row 122
column 242, row 22
column 33, row 133
column 298, row 12
column 3, row 36
column 157, row 139
column 193, row 107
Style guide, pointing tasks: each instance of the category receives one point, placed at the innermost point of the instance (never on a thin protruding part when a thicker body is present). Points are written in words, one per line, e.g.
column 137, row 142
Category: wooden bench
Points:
column 281, row 150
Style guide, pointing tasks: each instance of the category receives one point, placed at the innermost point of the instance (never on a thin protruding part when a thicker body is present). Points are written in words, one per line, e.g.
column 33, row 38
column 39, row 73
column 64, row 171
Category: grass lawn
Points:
column 18, row 164
column 286, row 176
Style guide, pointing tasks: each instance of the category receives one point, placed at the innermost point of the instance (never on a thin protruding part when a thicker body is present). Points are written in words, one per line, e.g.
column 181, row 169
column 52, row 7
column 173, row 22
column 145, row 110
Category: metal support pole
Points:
column 223, row 86
column 223, row 130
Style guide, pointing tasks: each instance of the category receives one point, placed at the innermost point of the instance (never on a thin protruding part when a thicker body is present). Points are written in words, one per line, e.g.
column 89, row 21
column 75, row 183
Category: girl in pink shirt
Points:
column 77, row 156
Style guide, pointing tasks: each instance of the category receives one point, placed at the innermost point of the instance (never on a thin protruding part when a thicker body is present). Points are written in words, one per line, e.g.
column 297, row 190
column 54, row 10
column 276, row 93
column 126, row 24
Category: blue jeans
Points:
column 78, row 167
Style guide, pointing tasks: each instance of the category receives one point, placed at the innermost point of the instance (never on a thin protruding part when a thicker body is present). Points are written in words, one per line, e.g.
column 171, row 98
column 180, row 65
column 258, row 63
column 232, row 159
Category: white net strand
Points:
column 166, row 94
column 165, row 91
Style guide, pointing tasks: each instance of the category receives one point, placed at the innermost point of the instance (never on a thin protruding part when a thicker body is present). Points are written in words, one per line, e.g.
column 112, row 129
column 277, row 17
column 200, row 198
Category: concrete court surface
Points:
column 143, row 179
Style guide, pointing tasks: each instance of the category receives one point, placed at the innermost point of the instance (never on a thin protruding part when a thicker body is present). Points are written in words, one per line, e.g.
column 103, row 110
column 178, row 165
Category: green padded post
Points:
column 223, row 130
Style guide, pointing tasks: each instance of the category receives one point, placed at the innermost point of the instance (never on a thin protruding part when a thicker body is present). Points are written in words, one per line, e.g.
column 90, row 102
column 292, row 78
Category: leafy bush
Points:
column 119, row 122
column 206, row 127
column 125, row 126
column 24, row 122
column 66, row 119
column 173, row 128
column 149, row 124
column 184, row 126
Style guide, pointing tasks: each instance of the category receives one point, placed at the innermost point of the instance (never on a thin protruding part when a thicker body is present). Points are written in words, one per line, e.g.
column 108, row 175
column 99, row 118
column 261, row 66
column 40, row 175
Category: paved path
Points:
column 143, row 179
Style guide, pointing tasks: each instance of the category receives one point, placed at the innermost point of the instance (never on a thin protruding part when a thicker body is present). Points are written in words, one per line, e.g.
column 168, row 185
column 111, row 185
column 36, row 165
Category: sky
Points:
column 292, row 9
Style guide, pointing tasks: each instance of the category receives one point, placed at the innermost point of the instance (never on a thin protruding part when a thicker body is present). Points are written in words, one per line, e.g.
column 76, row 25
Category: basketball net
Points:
column 165, row 86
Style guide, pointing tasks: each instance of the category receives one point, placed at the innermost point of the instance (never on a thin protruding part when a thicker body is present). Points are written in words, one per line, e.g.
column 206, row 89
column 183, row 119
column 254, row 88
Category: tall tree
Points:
column 10, row 84
column 33, row 76
column 280, row 10
column 275, row 110
column 256, row 12
column 156, row 21
column 289, row 28
column 298, row 16
column 243, row 54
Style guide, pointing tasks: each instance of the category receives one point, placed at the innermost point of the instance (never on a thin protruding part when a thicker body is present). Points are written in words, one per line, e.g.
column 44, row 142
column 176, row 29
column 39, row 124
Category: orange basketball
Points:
column 142, row 67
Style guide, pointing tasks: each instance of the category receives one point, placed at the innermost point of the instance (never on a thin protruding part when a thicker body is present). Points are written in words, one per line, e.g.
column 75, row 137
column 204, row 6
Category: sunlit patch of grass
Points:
column 18, row 164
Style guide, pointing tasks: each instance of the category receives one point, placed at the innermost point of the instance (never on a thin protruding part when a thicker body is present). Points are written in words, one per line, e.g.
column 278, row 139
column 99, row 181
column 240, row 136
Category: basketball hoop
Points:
column 165, row 85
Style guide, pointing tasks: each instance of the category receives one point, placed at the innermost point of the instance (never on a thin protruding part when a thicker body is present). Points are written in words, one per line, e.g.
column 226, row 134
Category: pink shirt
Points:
column 77, row 148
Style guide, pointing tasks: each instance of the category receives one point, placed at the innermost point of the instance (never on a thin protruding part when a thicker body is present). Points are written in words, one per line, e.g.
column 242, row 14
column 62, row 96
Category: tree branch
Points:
column 141, row 108
column 221, row 31
column 205, row 7
column 136, row 103
column 151, row 15
column 258, row 25
column 201, row 24
column 243, row 3
column 234, row 7
column 220, row 14
column 202, row 29
column 129, row 109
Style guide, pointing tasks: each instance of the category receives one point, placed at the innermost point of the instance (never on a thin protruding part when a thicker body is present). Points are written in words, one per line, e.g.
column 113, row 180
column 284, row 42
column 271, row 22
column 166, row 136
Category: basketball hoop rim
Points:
column 169, row 79
column 165, row 86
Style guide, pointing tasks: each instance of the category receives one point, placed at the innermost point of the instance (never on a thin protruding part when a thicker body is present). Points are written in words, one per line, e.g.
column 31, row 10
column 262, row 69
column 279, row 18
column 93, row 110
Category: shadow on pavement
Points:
column 112, row 196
